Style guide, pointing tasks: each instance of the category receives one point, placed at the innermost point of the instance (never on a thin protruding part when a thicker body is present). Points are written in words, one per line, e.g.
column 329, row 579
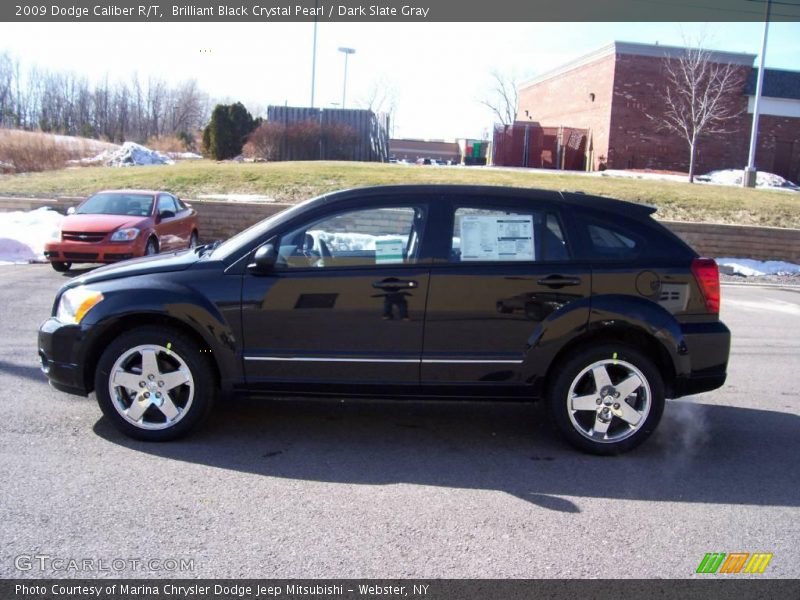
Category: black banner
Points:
column 393, row 11
column 432, row 589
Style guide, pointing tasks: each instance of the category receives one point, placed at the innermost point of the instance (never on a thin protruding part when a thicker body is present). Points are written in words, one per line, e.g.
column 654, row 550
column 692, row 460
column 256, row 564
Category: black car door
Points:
column 505, row 269
column 344, row 305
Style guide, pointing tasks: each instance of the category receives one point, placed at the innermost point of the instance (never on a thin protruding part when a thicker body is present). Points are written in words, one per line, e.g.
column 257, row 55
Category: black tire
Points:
column 616, row 360
column 193, row 239
column 61, row 267
column 152, row 247
column 170, row 347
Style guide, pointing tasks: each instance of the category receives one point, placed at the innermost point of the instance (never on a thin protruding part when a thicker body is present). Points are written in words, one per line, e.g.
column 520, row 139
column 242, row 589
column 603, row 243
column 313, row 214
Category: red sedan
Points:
column 115, row 225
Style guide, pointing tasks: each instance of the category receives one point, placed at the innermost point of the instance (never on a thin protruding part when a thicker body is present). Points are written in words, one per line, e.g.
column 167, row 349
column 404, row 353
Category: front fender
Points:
column 155, row 297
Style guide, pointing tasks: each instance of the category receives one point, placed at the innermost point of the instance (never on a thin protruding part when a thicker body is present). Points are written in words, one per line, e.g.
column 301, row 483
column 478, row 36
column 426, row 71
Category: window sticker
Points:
column 389, row 251
column 497, row 237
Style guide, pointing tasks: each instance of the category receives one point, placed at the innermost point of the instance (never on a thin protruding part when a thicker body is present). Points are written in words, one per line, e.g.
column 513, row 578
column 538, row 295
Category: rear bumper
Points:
column 60, row 356
column 708, row 347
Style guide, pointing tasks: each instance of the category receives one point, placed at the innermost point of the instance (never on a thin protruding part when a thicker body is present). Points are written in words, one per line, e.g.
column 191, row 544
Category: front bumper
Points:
column 98, row 252
column 61, row 353
column 708, row 346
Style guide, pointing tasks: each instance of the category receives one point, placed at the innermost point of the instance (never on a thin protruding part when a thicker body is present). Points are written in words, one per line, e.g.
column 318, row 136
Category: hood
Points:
column 147, row 265
column 99, row 223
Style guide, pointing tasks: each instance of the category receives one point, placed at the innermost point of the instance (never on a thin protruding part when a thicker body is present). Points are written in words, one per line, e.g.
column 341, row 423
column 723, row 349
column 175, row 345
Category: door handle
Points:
column 556, row 281
column 394, row 284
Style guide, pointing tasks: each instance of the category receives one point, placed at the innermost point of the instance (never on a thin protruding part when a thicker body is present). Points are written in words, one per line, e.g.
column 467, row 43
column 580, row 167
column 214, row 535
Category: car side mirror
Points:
column 71, row 210
column 166, row 214
column 263, row 259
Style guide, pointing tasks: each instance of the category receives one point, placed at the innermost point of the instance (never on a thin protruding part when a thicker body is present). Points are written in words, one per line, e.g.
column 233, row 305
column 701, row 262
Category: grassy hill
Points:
column 295, row 181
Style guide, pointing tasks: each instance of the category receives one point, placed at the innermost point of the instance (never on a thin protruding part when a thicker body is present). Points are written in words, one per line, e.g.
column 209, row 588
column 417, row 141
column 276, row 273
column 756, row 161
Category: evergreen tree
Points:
column 227, row 131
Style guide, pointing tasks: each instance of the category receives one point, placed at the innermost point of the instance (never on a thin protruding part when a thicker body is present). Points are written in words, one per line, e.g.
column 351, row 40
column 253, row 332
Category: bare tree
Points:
column 7, row 82
column 65, row 102
column 503, row 98
column 702, row 95
column 381, row 96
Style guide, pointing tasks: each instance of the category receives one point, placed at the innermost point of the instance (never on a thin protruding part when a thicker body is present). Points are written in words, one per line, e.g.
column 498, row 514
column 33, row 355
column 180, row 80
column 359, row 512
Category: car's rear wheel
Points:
column 151, row 247
column 154, row 384
column 607, row 399
column 61, row 267
column 193, row 240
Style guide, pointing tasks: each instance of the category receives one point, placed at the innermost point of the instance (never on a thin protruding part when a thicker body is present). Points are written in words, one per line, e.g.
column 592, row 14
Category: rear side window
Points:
column 611, row 242
column 498, row 235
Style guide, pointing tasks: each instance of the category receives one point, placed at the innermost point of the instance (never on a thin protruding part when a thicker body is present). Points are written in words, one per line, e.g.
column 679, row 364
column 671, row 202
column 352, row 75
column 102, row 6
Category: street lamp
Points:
column 749, row 176
column 314, row 55
column 347, row 52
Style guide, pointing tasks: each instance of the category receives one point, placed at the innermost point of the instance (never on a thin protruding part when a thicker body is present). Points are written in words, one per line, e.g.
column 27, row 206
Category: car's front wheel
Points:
column 61, row 267
column 151, row 248
column 154, row 384
column 607, row 399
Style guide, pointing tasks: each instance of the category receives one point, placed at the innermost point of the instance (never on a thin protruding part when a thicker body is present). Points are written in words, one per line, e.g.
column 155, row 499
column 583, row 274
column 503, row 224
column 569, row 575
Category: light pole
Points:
column 749, row 176
column 314, row 56
column 347, row 52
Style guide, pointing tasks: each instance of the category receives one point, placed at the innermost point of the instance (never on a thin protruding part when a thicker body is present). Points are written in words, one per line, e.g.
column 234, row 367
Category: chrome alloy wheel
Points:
column 609, row 401
column 151, row 387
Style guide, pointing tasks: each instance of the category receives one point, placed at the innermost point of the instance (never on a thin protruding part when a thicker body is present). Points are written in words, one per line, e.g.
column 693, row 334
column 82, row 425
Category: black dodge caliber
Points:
column 405, row 292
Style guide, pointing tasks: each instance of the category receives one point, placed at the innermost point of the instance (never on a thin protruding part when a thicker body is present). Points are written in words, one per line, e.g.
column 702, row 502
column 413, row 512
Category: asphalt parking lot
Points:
column 380, row 489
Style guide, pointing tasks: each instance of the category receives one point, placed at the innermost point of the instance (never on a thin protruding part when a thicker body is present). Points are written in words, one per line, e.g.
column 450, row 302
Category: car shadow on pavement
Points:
column 27, row 371
column 700, row 453
column 78, row 271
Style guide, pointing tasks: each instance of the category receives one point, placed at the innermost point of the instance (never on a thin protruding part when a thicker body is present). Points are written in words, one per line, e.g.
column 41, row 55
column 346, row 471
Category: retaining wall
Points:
column 220, row 220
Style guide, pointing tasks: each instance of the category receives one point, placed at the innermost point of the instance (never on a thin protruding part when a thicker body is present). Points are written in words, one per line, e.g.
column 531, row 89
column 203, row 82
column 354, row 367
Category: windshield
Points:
column 138, row 205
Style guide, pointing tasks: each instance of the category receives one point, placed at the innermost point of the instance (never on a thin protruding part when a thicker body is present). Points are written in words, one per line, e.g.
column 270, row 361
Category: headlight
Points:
column 75, row 303
column 125, row 235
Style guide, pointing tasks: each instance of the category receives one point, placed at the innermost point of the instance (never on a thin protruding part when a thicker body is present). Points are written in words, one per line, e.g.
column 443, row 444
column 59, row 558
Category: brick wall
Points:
column 627, row 89
column 580, row 97
column 636, row 141
column 739, row 241
column 219, row 220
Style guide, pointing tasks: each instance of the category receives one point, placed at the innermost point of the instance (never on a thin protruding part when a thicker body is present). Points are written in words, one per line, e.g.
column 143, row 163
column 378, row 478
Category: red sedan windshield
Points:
column 139, row 205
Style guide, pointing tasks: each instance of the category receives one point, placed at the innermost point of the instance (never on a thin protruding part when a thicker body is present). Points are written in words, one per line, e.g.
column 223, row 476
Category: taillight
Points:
column 706, row 273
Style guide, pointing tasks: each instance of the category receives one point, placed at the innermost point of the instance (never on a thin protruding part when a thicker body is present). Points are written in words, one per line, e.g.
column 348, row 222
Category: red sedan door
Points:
column 188, row 221
column 168, row 224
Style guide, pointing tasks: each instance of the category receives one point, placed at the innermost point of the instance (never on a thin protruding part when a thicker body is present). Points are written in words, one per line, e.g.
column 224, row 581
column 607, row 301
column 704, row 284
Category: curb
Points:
column 789, row 287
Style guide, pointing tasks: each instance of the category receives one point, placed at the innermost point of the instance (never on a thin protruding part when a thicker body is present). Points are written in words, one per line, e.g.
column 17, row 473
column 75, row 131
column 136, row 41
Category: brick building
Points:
column 411, row 150
column 611, row 91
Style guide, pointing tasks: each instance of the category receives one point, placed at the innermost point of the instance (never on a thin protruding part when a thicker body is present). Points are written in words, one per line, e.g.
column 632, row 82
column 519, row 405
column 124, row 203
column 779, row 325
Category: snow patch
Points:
column 130, row 154
column 236, row 197
column 352, row 242
column 24, row 234
column 631, row 174
column 184, row 155
column 734, row 177
column 747, row 267
column 723, row 177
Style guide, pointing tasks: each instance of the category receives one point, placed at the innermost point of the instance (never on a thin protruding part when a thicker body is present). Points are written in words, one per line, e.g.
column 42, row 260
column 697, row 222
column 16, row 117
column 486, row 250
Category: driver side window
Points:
column 166, row 205
column 375, row 236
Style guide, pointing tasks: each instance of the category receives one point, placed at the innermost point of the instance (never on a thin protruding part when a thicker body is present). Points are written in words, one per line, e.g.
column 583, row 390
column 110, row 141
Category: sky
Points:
column 435, row 74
